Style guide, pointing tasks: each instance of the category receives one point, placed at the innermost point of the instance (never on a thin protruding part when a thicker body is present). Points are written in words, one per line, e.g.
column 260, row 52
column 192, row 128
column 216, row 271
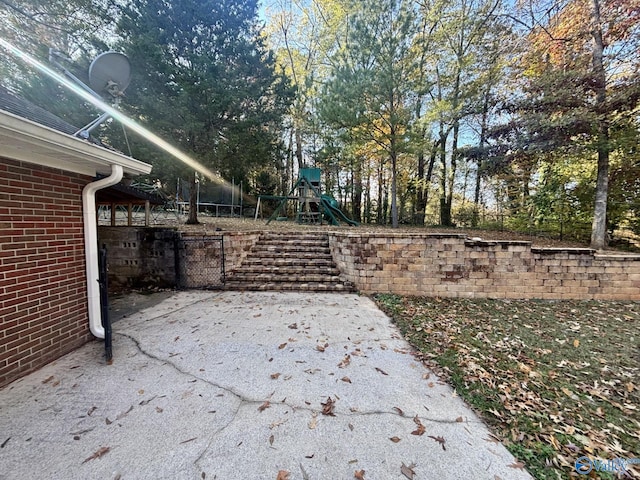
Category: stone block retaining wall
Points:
column 452, row 265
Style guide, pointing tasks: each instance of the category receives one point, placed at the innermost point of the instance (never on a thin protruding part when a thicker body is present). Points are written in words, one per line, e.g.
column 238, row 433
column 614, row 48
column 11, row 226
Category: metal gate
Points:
column 200, row 262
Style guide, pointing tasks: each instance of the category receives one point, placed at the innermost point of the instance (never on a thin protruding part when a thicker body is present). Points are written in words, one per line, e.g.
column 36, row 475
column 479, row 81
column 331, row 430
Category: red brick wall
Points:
column 43, row 306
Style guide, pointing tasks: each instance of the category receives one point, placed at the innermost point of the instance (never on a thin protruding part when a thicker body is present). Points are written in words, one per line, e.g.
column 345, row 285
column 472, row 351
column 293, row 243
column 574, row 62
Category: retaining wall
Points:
column 452, row 265
column 140, row 257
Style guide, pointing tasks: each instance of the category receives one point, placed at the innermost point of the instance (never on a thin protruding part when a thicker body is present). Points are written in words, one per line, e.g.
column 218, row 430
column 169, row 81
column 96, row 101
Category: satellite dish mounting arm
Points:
column 109, row 72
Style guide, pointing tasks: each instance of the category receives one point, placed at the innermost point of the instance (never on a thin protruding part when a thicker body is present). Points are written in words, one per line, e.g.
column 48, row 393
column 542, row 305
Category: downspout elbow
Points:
column 91, row 246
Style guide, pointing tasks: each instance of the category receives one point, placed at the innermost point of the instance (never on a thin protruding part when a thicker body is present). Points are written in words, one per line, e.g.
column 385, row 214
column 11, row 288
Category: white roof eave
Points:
column 27, row 141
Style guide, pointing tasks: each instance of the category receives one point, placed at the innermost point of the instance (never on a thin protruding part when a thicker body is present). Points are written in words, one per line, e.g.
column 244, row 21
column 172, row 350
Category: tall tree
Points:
column 581, row 82
column 205, row 80
column 368, row 91
column 466, row 24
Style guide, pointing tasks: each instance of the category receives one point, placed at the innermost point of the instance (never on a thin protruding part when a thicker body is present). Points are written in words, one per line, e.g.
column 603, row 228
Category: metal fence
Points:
column 201, row 262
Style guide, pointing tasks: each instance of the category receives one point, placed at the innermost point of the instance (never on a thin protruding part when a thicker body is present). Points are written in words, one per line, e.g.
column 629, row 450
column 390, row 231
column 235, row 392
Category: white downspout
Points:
column 91, row 246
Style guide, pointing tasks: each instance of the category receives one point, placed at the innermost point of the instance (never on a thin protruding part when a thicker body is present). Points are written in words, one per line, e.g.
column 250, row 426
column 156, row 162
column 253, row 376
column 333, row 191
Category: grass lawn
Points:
column 555, row 380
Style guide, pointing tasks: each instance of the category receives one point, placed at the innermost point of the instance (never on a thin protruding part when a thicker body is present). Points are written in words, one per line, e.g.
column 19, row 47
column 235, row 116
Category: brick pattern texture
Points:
column 451, row 265
column 43, row 306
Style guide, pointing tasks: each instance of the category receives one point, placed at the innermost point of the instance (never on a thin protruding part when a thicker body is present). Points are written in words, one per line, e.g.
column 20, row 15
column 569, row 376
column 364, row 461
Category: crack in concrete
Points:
column 246, row 401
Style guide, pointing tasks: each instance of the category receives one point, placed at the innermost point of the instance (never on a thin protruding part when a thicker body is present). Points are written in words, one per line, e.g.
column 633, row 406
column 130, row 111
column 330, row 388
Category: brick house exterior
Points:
column 43, row 302
column 44, row 298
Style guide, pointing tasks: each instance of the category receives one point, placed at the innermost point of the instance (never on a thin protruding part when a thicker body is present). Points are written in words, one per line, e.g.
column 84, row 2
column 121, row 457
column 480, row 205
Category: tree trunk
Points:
column 445, row 212
column 599, row 226
column 475, row 219
column 451, row 179
column 380, row 210
column 356, row 200
column 298, row 136
column 193, row 201
column 394, row 180
column 421, row 194
column 367, row 199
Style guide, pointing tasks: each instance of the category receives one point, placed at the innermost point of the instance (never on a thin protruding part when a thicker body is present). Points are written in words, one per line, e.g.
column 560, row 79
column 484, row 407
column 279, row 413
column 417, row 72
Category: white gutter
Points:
column 91, row 246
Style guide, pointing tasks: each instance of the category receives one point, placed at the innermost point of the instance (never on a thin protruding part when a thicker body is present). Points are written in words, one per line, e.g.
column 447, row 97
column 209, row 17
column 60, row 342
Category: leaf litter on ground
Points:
column 555, row 380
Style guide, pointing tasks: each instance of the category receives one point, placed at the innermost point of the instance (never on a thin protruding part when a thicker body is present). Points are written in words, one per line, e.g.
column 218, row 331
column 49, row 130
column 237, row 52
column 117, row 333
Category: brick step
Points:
column 289, row 248
column 299, row 242
column 285, row 270
column 289, row 262
column 289, row 255
column 279, row 261
column 289, row 286
column 293, row 235
column 276, row 277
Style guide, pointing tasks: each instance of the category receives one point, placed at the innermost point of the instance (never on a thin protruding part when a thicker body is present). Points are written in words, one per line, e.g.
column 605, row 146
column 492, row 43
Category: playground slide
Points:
column 336, row 212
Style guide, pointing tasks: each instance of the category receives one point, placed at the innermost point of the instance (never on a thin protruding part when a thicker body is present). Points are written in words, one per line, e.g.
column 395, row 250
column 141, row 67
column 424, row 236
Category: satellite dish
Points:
column 110, row 72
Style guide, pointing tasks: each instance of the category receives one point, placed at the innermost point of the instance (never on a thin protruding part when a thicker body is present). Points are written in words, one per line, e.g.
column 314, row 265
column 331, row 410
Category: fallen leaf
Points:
column 407, row 471
column 124, row 414
column 351, row 427
column 271, row 439
column 517, row 464
column 264, row 406
column 293, row 326
column 359, row 474
column 274, row 376
column 420, row 430
column 440, row 440
column 345, row 361
column 320, row 348
column 98, row 453
column 328, row 406
column 91, row 410
column 314, row 421
column 346, row 379
column 576, row 343
column 280, row 347
column 159, row 410
column 381, row 371
column 459, row 419
column 400, row 412
column 47, row 380
column 394, row 439
column 283, row 475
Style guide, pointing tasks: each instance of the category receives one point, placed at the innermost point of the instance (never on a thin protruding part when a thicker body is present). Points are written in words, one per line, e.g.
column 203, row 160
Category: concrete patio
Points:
column 229, row 385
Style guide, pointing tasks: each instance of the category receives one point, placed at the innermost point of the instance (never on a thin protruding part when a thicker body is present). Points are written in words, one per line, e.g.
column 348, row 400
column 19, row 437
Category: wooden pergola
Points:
column 121, row 195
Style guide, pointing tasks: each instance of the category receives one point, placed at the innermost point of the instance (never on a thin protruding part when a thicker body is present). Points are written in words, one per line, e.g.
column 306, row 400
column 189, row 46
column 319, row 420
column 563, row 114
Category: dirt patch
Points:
column 211, row 225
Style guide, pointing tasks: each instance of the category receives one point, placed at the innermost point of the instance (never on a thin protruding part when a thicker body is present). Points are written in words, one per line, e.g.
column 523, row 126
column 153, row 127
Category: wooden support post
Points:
column 257, row 209
column 147, row 213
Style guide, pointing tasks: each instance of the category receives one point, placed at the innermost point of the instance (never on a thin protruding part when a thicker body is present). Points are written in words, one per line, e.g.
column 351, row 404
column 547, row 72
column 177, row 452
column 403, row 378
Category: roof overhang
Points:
column 24, row 140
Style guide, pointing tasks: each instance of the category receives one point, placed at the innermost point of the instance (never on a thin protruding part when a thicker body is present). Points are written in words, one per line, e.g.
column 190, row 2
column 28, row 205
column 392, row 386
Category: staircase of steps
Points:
column 289, row 262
